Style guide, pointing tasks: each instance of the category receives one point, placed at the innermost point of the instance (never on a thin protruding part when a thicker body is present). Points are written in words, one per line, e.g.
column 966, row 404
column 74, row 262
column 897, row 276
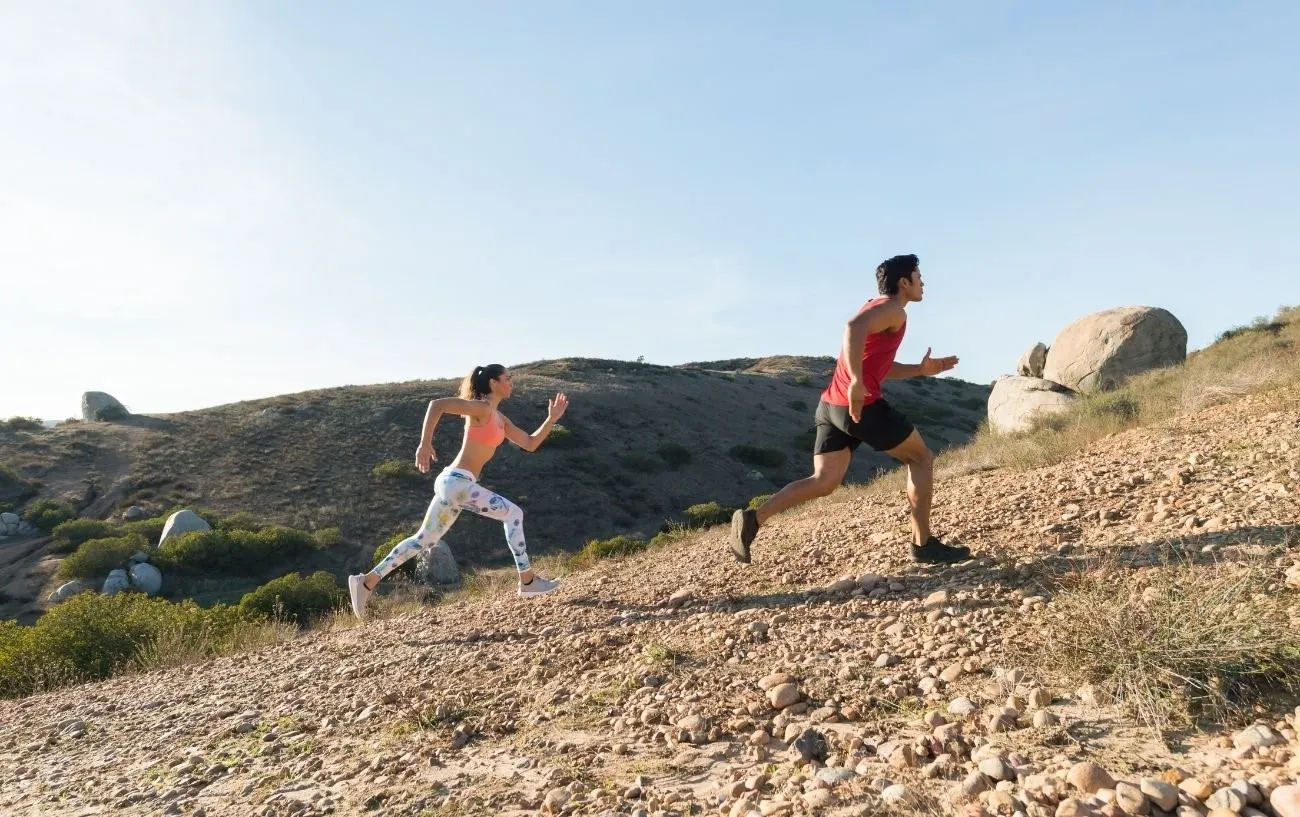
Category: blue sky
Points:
column 204, row 203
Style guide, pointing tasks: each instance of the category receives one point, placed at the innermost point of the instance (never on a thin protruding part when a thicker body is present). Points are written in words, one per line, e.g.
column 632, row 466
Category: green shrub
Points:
column 151, row 529
column 761, row 457
column 758, row 500
column 563, row 437
column 621, row 545
column 707, row 514
column 22, row 424
column 87, row 637
column 803, row 380
column 675, row 455
column 294, row 598
column 241, row 520
column 798, row 405
column 111, row 413
column 637, row 461
column 233, row 552
column 327, row 537
column 94, row 558
column 396, row 469
column 47, row 514
column 14, row 490
column 408, row 567
column 69, row 535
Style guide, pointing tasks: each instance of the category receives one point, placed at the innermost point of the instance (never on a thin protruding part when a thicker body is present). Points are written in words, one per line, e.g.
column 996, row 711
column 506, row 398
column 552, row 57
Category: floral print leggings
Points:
column 454, row 491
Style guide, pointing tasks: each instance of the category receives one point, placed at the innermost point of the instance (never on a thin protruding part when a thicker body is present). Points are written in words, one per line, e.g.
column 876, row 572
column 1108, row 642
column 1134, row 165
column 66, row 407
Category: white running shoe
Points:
column 360, row 595
column 539, row 586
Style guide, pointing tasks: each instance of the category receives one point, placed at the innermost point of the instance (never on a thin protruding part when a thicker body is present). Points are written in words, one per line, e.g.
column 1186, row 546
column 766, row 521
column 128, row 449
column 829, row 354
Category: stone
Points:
column 146, row 578
column 1089, row 777
column 134, row 513
column 1163, row 795
column 98, row 405
column 1016, row 403
column 437, row 565
column 67, row 591
column 1131, row 800
column 182, row 522
column 783, row 696
column 997, row 769
column 116, row 582
column 1100, row 351
column 1032, row 361
column 1257, row 736
column 9, row 523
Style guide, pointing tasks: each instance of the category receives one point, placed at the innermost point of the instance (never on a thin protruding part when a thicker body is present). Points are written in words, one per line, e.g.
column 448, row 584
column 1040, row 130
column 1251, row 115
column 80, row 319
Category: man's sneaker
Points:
column 539, row 586
column 936, row 552
column 744, row 527
column 360, row 595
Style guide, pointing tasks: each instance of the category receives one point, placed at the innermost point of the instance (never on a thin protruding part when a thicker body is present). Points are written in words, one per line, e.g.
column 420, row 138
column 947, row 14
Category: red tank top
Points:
column 877, row 356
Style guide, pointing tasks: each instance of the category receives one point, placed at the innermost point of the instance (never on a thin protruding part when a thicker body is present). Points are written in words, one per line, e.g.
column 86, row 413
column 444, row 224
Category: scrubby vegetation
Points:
column 759, row 457
column 47, row 514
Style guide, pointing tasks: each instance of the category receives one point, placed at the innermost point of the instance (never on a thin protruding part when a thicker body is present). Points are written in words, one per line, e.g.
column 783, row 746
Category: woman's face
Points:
column 502, row 386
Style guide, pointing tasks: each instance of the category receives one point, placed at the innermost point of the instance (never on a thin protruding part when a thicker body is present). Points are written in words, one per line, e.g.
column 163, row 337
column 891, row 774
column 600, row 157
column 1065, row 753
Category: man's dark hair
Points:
column 890, row 272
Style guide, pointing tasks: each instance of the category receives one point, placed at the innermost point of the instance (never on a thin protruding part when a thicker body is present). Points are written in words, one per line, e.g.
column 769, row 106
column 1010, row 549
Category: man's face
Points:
column 912, row 287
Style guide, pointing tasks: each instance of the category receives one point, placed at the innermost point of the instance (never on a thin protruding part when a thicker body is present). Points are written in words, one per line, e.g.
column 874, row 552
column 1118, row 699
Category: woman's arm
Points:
column 424, row 454
column 530, row 442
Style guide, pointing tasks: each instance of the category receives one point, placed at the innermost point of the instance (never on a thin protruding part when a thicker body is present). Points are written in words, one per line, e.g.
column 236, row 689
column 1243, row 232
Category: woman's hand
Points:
column 424, row 455
column 555, row 408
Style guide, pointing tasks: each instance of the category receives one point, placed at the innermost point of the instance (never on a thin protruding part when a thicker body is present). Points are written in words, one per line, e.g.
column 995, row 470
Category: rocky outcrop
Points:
column 1015, row 402
column 98, row 405
column 182, row 522
column 1033, row 360
column 438, row 566
column 1100, row 351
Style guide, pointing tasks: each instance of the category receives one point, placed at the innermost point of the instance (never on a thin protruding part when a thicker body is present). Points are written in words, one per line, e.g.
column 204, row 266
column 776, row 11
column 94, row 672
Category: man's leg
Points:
column 828, row 472
column 914, row 453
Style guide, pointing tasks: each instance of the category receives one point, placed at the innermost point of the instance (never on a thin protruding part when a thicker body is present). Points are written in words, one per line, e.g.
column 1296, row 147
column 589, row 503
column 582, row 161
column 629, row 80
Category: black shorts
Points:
column 881, row 427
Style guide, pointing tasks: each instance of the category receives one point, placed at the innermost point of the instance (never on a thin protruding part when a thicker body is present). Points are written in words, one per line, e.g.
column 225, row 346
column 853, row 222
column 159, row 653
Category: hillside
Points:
column 1124, row 641
column 308, row 459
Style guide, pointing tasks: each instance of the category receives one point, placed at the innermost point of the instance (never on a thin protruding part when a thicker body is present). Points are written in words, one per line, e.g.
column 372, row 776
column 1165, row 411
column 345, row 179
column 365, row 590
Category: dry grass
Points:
column 177, row 646
column 1176, row 644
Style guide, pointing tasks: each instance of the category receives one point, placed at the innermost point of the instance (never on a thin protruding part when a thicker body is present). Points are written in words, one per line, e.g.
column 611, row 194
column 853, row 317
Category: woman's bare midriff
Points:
column 473, row 456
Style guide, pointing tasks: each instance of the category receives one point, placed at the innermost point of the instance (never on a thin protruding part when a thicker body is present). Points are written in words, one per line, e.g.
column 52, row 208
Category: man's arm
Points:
column 879, row 317
column 928, row 367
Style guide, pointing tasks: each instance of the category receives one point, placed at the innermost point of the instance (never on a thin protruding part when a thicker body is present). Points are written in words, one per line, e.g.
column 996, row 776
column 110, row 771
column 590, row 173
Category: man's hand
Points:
column 555, row 408
column 857, row 393
column 931, row 366
column 424, row 455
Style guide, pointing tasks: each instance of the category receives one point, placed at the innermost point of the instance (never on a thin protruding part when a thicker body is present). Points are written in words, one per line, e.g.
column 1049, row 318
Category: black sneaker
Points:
column 936, row 552
column 744, row 526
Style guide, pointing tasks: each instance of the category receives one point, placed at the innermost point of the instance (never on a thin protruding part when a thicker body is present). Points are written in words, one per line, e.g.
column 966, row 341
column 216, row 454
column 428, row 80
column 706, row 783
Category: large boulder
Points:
column 438, row 566
column 1031, row 363
column 98, row 405
column 9, row 523
column 1099, row 351
column 1016, row 401
column 146, row 578
column 116, row 582
column 182, row 522
column 67, row 591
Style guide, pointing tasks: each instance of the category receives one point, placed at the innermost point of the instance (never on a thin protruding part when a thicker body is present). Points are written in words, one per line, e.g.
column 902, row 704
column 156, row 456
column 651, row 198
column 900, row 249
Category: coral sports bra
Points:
column 489, row 433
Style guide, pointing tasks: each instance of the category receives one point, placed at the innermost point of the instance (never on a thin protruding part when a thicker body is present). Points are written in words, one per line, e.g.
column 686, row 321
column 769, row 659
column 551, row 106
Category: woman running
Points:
column 456, row 489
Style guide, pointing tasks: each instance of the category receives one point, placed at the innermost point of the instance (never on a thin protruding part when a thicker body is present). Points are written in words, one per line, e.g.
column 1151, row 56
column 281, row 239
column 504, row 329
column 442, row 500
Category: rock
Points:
column 811, row 745
column 134, row 513
column 116, row 582
column 437, row 565
column 98, row 405
column 1033, row 360
column 182, row 522
column 1043, row 718
column 9, row 523
column 1099, row 351
column 1257, row 736
column 146, row 578
column 833, row 776
column 783, row 695
column 1089, row 777
column 897, row 793
column 1162, row 794
column 67, row 591
column 1285, row 800
column 962, row 707
column 997, row 769
column 1227, row 798
column 1015, row 402
column 1131, row 800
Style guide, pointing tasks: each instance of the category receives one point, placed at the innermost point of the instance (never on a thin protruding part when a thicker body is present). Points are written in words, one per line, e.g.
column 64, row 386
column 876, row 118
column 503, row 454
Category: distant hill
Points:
column 308, row 459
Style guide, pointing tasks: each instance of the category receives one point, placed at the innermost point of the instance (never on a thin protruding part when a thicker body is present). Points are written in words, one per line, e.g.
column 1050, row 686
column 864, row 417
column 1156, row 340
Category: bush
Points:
column 71, row 534
column 637, row 461
column 621, row 545
column 396, row 469
column 675, row 455
column 151, row 529
column 241, row 520
column 803, row 380
column 1176, row 642
column 758, row 500
column 327, row 537
column 294, row 598
column 95, row 558
column 562, row 437
column 88, row 637
column 761, row 457
column 233, row 552
column 408, row 567
column 48, row 514
column 14, row 490
column 707, row 514
column 798, row 405
column 22, row 424
column 111, row 413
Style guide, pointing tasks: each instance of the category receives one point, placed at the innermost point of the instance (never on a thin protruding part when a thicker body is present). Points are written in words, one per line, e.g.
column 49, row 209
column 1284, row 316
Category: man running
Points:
column 852, row 411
